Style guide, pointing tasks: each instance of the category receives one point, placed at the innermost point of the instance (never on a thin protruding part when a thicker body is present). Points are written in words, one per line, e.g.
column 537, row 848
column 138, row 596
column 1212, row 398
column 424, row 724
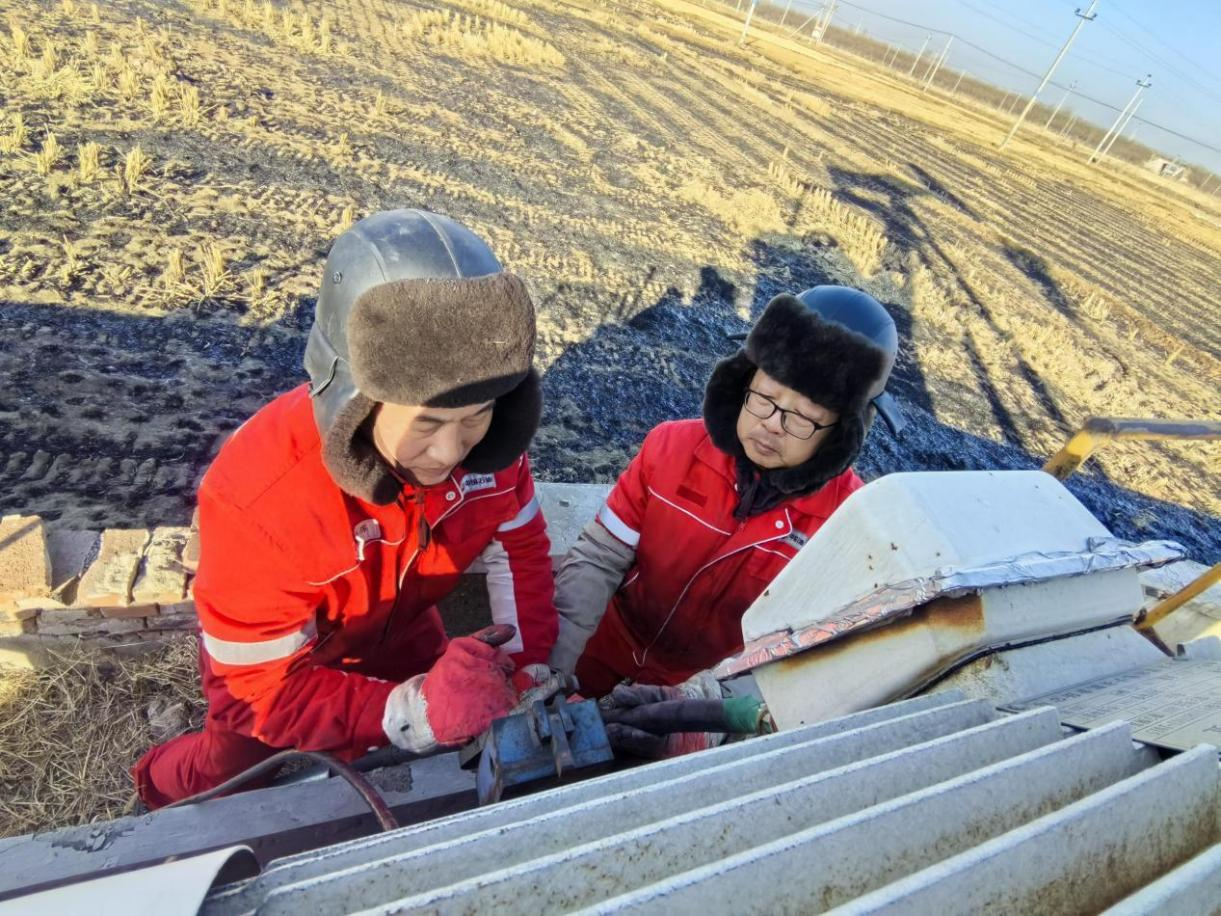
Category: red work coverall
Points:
column 697, row 568
column 314, row 604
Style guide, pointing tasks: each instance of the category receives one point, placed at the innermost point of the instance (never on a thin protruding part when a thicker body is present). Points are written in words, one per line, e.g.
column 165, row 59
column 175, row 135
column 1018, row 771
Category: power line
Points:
column 1190, row 80
column 1020, row 69
column 1082, row 19
column 1169, row 47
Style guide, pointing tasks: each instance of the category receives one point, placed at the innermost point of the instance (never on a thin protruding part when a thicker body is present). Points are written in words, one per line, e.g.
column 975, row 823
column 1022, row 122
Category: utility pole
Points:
column 1068, row 126
column 1082, row 19
column 927, row 39
column 961, row 74
column 1004, row 105
column 1059, row 105
column 746, row 25
column 825, row 22
column 1141, row 86
column 937, row 66
column 785, row 15
column 1106, row 152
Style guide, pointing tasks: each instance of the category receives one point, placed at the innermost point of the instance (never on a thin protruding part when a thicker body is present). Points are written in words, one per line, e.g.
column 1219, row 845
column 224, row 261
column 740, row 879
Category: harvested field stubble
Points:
column 70, row 732
column 655, row 183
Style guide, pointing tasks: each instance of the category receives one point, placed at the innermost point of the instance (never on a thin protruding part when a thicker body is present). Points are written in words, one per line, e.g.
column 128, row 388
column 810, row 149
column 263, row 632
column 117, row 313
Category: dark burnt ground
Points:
column 605, row 394
column 625, row 187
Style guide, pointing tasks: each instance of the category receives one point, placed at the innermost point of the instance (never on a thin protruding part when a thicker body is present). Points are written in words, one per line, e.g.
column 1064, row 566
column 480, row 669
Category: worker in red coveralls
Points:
column 709, row 512
column 335, row 518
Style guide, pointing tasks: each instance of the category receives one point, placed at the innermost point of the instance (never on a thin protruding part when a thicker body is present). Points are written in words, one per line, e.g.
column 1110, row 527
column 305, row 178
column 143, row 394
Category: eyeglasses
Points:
column 793, row 423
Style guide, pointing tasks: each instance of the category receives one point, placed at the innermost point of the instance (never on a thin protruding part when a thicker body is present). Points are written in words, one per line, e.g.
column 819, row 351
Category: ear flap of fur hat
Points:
column 514, row 422
column 723, row 397
column 351, row 458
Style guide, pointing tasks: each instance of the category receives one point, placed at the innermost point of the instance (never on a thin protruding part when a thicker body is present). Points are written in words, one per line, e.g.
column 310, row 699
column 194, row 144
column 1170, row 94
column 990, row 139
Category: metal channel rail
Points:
column 933, row 805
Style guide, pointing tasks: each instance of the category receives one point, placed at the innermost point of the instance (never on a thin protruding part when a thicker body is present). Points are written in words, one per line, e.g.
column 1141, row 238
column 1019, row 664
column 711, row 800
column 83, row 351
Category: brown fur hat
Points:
column 442, row 342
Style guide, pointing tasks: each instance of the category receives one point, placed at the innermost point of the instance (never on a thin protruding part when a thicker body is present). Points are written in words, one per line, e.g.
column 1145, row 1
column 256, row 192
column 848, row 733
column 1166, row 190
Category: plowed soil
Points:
column 656, row 185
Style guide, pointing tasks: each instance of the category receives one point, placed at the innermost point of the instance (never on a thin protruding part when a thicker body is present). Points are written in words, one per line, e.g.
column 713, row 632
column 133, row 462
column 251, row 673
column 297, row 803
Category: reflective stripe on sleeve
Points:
column 614, row 524
column 228, row 652
column 528, row 511
column 502, row 593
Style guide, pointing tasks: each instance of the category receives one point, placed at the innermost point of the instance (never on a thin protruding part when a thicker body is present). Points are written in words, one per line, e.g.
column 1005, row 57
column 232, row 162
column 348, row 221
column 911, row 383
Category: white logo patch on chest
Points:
column 473, row 483
column 796, row 539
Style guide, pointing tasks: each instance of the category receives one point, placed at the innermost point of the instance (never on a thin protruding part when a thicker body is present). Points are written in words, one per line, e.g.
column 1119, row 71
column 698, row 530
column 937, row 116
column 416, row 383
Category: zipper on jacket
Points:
column 644, row 656
column 423, row 539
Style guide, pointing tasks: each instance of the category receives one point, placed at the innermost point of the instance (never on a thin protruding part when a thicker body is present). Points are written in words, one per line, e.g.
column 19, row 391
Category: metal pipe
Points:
column 1099, row 430
column 1163, row 609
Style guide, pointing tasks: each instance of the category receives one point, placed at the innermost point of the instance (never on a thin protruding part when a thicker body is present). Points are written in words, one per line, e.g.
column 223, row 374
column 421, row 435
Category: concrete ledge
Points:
column 127, row 590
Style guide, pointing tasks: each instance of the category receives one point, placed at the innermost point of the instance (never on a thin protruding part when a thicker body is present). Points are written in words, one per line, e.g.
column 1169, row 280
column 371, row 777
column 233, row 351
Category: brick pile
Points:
column 104, row 588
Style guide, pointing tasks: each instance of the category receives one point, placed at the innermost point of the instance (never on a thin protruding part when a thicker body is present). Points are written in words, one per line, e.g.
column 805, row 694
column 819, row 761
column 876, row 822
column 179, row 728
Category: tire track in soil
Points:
column 108, row 419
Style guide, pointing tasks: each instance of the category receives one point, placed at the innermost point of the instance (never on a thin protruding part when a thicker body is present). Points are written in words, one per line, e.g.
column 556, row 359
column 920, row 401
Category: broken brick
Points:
column 108, row 580
column 16, row 627
column 93, row 626
column 71, row 553
column 10, row 612
column 129, row 610
column 161, row 578
column 24, row 564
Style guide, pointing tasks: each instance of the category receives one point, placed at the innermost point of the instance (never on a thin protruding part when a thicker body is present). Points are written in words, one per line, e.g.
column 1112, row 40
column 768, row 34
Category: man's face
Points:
column 766, row 442
column 427, row 443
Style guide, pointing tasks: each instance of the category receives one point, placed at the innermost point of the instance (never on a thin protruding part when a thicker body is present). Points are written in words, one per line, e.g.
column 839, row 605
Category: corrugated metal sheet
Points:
column 937, row 804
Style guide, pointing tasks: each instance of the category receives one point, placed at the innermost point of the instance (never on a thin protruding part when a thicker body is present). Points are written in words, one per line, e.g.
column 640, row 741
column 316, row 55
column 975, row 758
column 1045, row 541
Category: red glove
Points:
column 457, row 700
column 540, row 682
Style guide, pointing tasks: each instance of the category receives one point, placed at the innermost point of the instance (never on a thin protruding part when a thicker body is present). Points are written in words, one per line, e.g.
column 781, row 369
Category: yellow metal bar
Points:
column 1097, row 431
column 1197, row 586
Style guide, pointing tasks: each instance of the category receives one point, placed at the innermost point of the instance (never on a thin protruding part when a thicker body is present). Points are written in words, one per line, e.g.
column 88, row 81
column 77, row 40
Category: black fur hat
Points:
column 823, row 359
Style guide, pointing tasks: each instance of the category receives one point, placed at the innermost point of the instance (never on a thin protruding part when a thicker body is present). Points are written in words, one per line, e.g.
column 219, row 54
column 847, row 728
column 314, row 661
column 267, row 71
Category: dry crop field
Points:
column 173, row 172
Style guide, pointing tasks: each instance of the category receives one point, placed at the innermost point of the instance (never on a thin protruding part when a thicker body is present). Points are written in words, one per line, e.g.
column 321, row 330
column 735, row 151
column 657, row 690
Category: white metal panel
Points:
column 997, row 815
column 816, row 780
column 1016, row 674
column 1076, row 860
column 837, row 861
column 172, row 889
column 869, row 668
column 903, row 527
column 1192, row 889
column 906, row 723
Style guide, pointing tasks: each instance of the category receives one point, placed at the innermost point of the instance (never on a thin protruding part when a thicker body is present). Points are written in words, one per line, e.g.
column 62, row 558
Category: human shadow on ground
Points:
column 107, row 420
column 603, row 395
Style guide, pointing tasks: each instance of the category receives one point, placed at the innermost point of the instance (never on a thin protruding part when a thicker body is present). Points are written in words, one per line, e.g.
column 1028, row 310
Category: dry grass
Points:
column 47, row 156
column 650, row 150
column 475, row 37
column 17, row 135
column 70, row 733
column 88, row 165
column 135, row 166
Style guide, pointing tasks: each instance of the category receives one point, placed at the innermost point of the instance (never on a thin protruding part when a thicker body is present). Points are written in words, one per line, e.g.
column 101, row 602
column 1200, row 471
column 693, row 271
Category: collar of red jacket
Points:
column 819, row 504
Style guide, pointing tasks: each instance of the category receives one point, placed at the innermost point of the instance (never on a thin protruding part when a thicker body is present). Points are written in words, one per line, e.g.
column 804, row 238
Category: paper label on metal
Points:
column 1173, row 704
